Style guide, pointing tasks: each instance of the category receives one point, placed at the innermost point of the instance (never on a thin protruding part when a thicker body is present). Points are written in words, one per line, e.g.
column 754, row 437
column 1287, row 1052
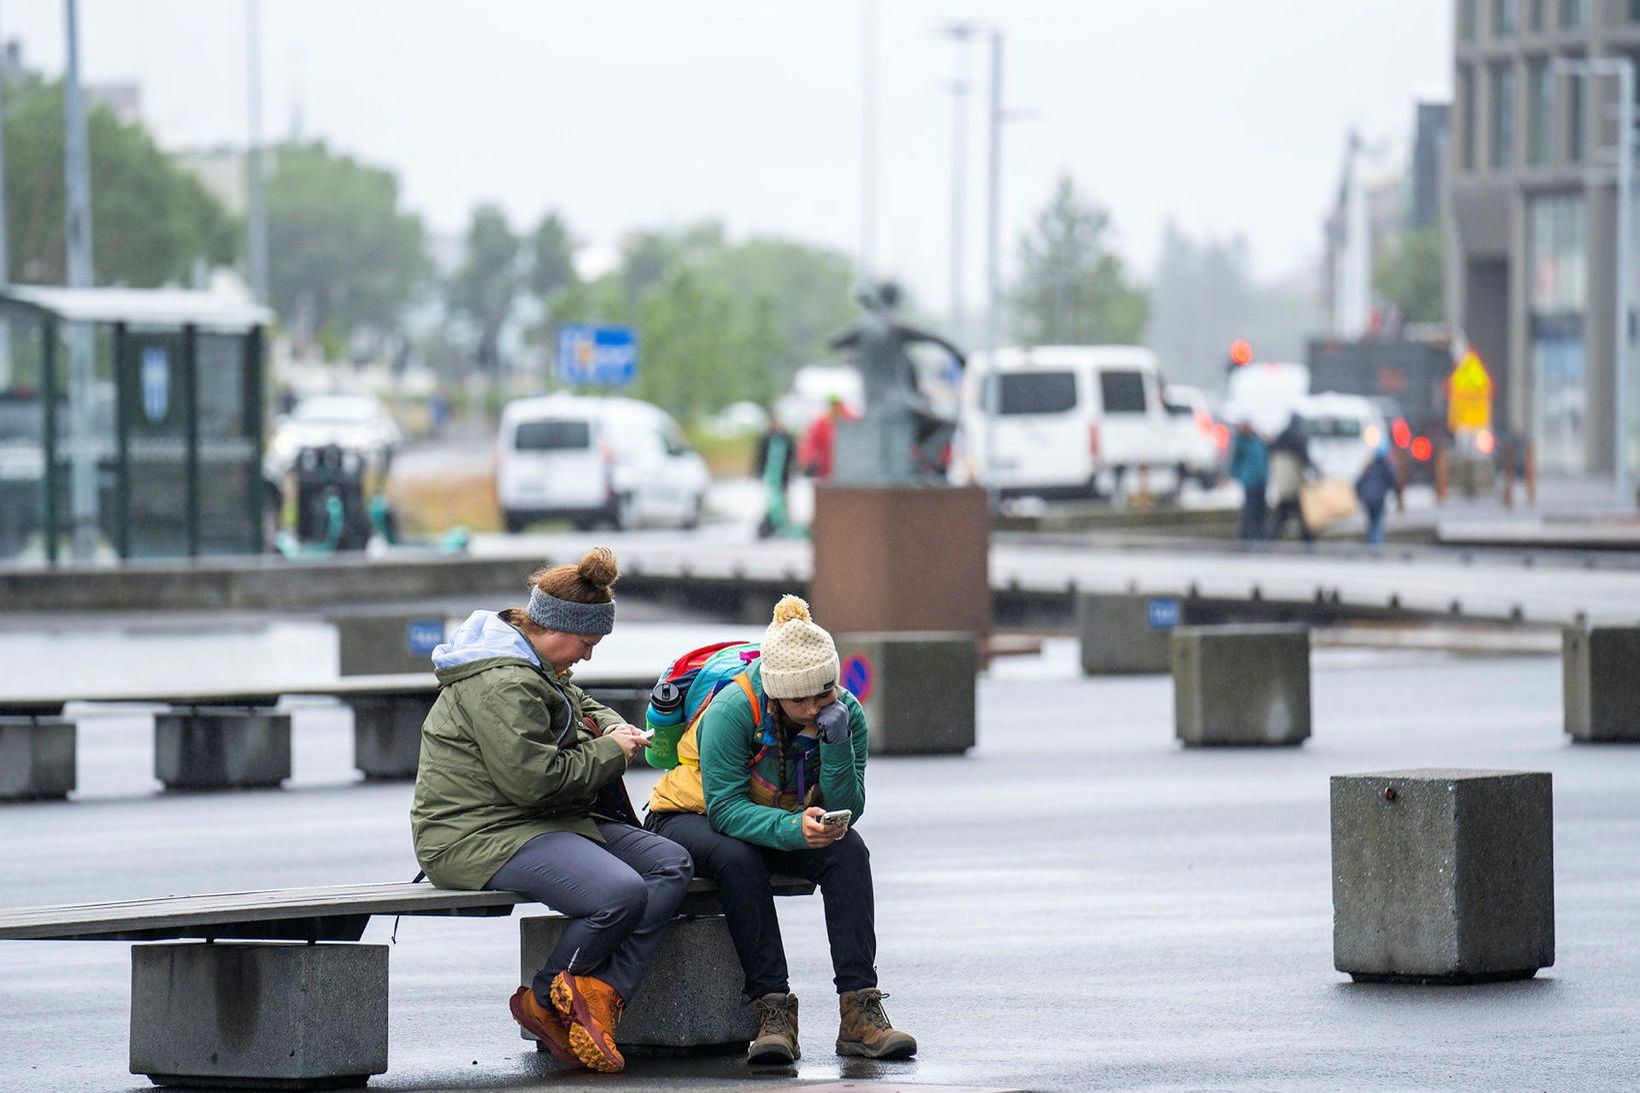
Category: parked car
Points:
column 353, row 423
column 596, row 460
column 1343, row 431
column 1196, row 435
column 1057, row 421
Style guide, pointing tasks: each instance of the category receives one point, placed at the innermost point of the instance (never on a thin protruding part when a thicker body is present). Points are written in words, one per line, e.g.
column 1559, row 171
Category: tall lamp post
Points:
column 1622, row 68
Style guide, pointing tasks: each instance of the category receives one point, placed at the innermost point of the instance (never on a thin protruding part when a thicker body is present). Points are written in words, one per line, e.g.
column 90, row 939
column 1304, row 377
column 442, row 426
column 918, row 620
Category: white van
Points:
column 596, row 460
column 1065, row 420
column 1342, row 432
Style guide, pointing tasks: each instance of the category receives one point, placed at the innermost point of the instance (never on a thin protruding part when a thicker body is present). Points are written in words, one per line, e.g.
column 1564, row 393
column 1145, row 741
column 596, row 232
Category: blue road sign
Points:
column 1163, row 613
column 597, row 356
column 422, row 636
column 858, row 675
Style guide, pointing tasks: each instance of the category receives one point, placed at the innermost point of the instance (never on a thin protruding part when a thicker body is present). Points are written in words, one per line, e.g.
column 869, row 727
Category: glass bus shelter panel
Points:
column 22, row 438
column 154, row 416
column 229, row 460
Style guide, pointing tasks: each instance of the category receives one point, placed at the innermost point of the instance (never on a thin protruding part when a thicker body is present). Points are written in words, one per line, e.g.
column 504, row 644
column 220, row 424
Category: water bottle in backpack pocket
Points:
column 683, row 691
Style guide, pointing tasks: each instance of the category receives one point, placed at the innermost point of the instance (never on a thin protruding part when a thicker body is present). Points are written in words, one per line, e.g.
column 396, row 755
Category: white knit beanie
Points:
column 799, row 658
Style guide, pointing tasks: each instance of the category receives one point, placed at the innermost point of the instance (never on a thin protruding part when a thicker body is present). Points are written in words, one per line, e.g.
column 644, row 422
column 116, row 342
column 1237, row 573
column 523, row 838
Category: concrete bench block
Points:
column 691, row 994
column 37, row 758
column 204, row 747
column 1241, row 686
column 262, row 1016
column 917, row 689
column 387, row 733
column 1443, row 876
column 1126, row 634
column 1600, row 666
column 387, row 644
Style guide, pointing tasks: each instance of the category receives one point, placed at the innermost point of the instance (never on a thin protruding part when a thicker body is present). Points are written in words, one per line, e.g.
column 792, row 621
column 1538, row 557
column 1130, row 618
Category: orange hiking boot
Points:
column 544, row 1024
column 593, row 1009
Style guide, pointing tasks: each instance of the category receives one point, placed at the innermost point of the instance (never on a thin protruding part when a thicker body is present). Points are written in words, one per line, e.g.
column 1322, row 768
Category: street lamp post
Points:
column 1622, row 69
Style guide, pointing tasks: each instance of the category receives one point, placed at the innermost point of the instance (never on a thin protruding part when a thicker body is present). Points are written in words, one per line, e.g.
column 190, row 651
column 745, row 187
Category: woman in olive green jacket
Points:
column 519, row 789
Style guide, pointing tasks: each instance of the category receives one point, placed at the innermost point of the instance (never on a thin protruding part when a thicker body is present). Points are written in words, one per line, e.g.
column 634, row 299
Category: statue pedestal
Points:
column 892, row 559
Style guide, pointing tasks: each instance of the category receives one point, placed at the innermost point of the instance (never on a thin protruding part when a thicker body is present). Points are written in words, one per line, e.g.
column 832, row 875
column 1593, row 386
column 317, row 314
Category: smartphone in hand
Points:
column 838, row 817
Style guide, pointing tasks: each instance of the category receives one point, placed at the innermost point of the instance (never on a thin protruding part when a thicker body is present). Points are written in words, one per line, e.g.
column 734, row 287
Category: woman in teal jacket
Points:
column 778, row 749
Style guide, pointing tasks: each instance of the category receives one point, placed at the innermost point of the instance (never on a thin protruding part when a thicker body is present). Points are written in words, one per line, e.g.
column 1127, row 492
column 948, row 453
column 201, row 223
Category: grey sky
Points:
column 1226, row 115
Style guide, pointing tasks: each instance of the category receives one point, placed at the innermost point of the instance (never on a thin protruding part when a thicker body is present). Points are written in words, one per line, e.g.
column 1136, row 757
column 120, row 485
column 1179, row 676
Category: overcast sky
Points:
column 1227, row 116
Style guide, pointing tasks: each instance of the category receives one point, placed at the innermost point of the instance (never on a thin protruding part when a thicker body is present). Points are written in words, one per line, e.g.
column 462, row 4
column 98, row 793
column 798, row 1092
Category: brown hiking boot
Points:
column 544, row 1024
column 593, row 1009
column 865, row 1029
column 776, row 1041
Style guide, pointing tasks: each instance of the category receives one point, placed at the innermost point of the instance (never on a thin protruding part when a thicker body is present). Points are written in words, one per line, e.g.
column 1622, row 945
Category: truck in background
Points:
column 1405, row 377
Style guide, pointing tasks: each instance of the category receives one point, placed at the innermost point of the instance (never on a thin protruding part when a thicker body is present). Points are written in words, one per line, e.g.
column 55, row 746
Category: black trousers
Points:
column 741, row 871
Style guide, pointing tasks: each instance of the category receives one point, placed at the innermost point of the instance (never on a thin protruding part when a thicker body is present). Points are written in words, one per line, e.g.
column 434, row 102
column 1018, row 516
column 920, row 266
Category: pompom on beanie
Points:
column 799, row 658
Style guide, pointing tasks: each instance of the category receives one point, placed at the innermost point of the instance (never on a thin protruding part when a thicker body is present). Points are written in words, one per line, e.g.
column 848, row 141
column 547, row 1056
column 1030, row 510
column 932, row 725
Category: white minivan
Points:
column 596, row 460
column 1064, row 421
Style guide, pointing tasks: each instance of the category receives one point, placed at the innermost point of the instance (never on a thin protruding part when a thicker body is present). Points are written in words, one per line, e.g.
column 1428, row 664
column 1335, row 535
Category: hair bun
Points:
column 791, row 607
column 597, row 567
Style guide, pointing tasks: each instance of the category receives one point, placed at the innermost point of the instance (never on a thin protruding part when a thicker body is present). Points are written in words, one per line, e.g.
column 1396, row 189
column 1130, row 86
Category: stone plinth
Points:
column 387, row 733
column 917, row 689
column 690, row 998
column 1600, row 666
column 892, row 559
column 1443, row 876
column 260, row 1016
column 206, row 747
column 388, row 644
column 1124, row 634
column 37, row 758
column 1241, row 686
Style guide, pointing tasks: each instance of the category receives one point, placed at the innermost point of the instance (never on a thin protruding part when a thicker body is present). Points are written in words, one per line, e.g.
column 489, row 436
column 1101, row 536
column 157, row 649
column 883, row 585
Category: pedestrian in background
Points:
column 1250, row 465
column 776, row 748
column 1376, row 482
column 519, row 790
column 1290, row 464
column 776, row 452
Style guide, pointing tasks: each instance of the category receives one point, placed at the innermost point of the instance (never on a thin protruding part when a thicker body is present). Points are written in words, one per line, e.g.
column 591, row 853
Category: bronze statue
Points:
column 900, row 439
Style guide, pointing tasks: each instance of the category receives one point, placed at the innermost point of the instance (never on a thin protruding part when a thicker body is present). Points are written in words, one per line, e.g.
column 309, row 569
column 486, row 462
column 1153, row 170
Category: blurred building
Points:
column 1532, row 234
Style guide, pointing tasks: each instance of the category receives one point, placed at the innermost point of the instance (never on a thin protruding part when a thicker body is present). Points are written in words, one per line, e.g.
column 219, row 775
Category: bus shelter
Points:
column 171, row 422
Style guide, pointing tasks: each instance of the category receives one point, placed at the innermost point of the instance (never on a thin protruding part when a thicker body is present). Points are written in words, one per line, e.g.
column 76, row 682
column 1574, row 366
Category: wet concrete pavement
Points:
column 1076, row 904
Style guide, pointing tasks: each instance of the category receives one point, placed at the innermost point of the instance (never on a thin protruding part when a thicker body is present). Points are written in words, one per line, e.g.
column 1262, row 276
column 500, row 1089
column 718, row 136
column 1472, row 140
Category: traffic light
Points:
column 1240, row 354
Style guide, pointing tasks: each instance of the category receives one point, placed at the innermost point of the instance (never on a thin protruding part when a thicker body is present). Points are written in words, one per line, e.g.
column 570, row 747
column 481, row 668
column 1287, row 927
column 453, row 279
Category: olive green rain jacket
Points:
column 505, row 755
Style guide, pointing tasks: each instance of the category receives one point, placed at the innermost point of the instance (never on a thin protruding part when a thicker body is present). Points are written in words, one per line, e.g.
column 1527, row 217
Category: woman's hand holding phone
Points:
column 632, row 739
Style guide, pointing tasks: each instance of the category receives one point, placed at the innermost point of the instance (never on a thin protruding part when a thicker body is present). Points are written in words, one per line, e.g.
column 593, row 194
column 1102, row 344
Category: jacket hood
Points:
column 480, row 642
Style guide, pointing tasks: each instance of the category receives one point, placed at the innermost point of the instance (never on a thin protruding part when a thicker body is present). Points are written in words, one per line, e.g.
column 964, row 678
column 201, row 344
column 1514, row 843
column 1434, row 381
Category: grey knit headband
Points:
column 569, row 617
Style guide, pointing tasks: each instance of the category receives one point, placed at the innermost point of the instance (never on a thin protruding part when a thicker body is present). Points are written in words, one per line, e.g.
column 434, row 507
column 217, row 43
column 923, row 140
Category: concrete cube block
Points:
column 1443, row 876
column 204, row 747
column 263, row 1016
column 387, row 733
column 369, row 644
column 1126, row 634
column 917, row 689
column 1240, row 686
column 691, row 994
column 37, row 758
column 1600, row 667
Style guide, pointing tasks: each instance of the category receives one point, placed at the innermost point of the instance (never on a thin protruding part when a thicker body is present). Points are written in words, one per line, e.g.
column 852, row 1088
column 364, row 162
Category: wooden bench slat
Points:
column 119, row 919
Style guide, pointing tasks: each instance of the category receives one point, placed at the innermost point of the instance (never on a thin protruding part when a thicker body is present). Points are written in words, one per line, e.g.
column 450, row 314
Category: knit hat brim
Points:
column 804, row 682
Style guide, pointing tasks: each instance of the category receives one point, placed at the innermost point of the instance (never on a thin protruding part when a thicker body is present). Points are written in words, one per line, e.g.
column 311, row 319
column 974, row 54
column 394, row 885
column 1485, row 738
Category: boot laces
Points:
column 774, row 1018
column 871, row 1008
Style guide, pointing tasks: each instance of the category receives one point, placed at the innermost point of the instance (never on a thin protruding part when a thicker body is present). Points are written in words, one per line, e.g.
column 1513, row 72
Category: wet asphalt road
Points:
column 1076, row 904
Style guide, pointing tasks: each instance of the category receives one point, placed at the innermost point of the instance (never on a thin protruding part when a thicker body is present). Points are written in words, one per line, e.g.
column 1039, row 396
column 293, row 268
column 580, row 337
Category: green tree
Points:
column 487, row 283
column 551, row 257
column 1409, row 276
column 1072, row 289
column 341, row 254
column 151, row 221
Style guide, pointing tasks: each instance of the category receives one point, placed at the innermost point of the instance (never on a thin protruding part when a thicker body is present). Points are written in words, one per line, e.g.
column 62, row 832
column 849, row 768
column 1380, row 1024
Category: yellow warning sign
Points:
column 1469, row 395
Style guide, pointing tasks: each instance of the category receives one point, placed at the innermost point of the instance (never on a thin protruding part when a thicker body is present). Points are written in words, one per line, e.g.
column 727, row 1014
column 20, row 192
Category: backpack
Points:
column 683, row 691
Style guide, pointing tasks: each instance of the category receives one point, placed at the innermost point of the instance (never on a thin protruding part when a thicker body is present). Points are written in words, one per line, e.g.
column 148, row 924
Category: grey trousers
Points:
column 618, row 896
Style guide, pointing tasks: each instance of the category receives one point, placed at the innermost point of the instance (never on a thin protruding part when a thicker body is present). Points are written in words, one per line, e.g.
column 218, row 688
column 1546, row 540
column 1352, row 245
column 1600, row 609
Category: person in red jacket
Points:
column 818, row 452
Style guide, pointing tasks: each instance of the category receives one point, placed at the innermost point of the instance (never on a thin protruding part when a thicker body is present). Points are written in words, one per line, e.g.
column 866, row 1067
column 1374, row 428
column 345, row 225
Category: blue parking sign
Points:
column 1163, row 613
column 597, row 356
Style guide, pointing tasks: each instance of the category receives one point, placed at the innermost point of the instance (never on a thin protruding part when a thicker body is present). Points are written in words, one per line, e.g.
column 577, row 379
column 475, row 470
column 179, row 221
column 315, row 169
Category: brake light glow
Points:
column 1422, row 449
column 1401, row 432
column 1221, row 437
column 1093, row 441
column 1485, row 442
